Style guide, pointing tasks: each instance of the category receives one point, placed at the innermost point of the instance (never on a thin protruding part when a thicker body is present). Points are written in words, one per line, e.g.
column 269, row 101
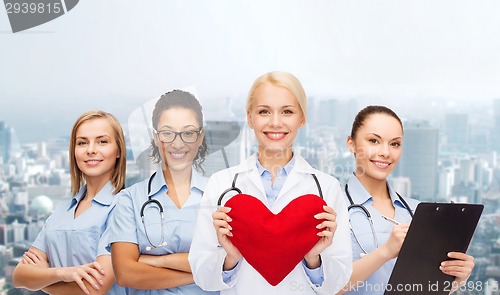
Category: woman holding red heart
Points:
column 278, row 186
column 376, row 141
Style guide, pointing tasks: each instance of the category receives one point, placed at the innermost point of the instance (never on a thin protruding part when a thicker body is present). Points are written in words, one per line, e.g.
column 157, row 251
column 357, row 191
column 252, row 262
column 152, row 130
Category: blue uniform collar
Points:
column 360, row 195
column 301, row 166
column 103, row 197
column 197, row 181
column 287, row 168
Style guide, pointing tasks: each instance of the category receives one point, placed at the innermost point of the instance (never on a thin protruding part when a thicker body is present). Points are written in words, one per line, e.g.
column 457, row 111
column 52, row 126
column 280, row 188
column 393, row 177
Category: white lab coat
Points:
column 206, row 258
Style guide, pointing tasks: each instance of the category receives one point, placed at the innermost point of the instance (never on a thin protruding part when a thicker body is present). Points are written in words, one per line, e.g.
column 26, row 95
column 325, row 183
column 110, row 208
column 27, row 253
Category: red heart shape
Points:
column 274, row 243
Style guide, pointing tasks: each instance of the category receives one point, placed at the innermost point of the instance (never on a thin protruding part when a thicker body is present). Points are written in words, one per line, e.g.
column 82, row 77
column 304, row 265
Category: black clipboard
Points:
column 436, row 229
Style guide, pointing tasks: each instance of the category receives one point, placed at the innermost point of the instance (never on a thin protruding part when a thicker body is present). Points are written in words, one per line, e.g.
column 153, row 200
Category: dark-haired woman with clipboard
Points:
column 379, row 216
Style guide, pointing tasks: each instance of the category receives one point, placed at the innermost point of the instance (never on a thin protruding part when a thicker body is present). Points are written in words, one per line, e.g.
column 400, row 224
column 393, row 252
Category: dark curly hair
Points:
column 179, row 99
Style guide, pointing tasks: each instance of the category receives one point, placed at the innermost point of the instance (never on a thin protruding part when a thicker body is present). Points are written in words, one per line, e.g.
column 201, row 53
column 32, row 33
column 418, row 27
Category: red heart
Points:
column 274, row 244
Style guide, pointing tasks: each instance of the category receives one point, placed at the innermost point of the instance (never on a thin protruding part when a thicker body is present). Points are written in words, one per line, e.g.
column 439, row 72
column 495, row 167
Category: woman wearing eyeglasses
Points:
column 154, row 222
column 69, row 255
column 276, row 176
column 376, row 141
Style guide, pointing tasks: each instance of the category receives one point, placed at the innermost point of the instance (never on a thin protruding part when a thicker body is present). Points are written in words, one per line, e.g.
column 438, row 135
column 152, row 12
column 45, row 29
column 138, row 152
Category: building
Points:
column 402, row 185
column 224, row 140
column 419, row 159
column 446, row 180
column 41, row 207
column 495, row 139
column 11, row 233
column 5, row 142
column 456, row 130
column 338, row 114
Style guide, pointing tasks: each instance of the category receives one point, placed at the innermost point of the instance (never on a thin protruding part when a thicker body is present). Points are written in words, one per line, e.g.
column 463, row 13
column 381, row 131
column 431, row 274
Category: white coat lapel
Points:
column 291, row 182
column 256, row 182
column 250, row 180
column 296, row 177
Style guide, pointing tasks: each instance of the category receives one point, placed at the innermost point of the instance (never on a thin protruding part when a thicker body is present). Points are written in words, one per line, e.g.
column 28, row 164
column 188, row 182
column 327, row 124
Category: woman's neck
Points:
column 178, row 184
column 94, row 185
column 177, row 177
column 273, row 161
column 375, row 187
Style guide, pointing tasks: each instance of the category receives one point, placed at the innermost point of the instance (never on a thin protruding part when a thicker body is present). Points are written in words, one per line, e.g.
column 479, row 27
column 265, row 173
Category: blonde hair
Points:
column 118, row 176
column 282, row 79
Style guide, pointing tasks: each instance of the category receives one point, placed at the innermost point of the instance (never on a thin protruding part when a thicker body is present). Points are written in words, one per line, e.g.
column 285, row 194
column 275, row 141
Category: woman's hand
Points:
column 460, row 266
column 90, row 272
column 393, row 245
column 223, row 229
column 328, row 227
column 32, row 257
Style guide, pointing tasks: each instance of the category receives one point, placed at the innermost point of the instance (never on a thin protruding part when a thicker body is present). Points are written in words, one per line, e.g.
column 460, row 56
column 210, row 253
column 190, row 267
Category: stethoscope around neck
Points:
column 237, row 190
column 369, row 217
column 152, row 201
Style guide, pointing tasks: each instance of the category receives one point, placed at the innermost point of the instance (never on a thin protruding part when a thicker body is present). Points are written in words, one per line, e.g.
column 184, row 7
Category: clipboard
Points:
column 436, row 229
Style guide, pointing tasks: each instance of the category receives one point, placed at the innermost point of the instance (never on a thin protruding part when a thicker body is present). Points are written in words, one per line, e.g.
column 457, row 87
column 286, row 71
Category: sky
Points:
column 117, row 55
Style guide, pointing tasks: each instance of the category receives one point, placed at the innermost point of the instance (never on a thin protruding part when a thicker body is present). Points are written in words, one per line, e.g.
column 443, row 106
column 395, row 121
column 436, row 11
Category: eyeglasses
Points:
column 188, row 136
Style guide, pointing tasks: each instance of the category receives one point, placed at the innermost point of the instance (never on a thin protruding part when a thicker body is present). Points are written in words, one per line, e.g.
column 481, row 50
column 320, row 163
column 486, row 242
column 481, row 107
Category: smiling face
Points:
column 377, row 146
column 178, row 155
column 275, row 116
column 96, row 149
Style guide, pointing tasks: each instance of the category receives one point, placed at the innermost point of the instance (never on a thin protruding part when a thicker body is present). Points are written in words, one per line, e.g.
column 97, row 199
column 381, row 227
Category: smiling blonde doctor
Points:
column 276, row 175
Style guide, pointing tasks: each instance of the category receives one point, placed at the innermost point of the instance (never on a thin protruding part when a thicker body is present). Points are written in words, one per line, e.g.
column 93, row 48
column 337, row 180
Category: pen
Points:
column 391, row 220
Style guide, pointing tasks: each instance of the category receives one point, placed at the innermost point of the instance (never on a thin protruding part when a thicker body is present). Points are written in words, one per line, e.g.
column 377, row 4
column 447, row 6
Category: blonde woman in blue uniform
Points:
column 276, row 175
column 376, row 141
column 69, row 255
column 153, row 225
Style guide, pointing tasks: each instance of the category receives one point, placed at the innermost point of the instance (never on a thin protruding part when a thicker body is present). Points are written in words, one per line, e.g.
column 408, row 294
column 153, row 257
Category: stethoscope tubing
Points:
column 150, row 201
column 369, row 217
column 234, row 188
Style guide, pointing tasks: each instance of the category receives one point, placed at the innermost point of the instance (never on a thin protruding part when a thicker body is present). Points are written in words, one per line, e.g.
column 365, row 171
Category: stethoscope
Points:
column 237, row 190
column 160, row 209
column 369, row 217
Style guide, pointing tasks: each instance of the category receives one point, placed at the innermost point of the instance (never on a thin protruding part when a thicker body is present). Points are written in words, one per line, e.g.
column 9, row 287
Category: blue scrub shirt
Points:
column 178, row 224
column 70, row 241
column 376, row 283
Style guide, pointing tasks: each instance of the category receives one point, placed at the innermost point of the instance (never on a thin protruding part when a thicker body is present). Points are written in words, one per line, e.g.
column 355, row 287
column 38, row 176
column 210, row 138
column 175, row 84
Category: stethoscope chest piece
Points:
column 150, row 202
